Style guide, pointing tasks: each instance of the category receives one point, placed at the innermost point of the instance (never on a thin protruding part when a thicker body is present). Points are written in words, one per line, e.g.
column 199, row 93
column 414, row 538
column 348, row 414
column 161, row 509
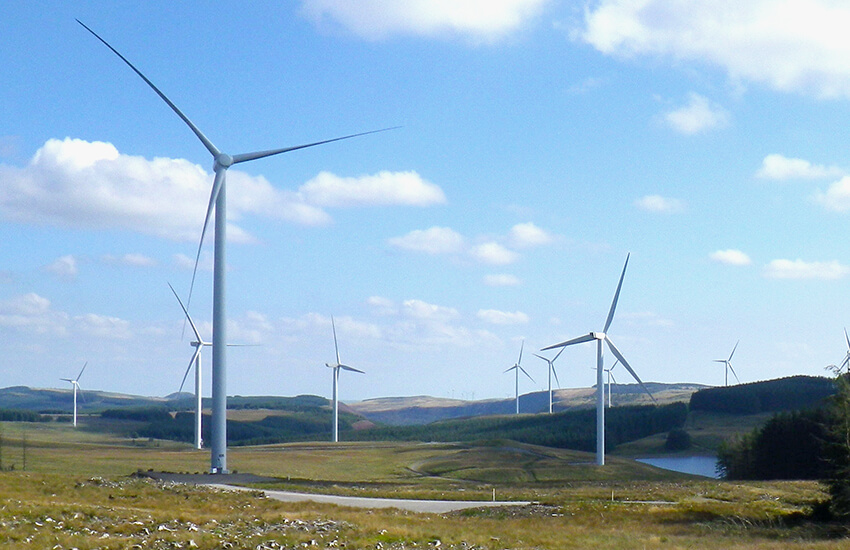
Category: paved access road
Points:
column 421, row 506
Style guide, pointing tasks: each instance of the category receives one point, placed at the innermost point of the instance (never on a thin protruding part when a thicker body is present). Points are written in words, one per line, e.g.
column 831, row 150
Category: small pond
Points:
column 697, row 465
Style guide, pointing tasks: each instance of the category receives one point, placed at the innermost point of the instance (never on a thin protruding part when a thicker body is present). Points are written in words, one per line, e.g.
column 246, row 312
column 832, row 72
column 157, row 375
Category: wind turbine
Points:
column 601, row 337
column 611, row 377
column 847, row 355
column 728, row 362
column 516, row 368
column 196, row 361
column 221, row 162
column 552, row 371
column 336, row 368
column 75, row 382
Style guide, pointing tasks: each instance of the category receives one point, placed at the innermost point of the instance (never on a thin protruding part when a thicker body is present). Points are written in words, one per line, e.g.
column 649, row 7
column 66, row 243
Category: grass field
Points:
column 77, row 492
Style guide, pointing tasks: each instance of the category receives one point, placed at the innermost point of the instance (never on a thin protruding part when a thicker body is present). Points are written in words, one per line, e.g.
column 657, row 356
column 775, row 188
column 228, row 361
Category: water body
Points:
column 698, row 465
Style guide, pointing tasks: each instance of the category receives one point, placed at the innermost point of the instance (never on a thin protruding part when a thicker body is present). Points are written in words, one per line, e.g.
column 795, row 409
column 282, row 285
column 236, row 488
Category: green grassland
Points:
column 77, row 492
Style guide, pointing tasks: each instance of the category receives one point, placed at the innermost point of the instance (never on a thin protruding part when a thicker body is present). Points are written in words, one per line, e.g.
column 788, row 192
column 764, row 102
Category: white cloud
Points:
column 497, row 317
column 527, row 235
column 418, row 309
column 102, row 326
column 798, row 269
column 659, row 204
column 699, row 115
column 730, row 257
column 130, row 260
column 382, row 189
column 484, row 20
column 32, row 313
column 837, row 196
column 90, row 185
column 64, row 267
column 493, row 253
column 794, row 45
column 435, row 240
column 778, row 167
column 502, row 279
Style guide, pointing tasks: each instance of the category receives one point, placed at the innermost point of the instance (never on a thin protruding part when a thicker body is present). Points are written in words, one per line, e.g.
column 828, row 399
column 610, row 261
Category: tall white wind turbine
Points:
column 601, row 337
column 221, row 162
column 75, row 382
column 516, row 368
column 551, row 363
column 728, row 362
column 336, row 367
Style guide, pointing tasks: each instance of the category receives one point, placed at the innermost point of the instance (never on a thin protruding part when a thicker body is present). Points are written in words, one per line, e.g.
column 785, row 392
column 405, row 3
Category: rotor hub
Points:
column 223, row 160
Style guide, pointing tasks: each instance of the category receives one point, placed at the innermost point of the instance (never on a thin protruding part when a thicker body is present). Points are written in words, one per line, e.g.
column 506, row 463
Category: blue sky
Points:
column 540, row 142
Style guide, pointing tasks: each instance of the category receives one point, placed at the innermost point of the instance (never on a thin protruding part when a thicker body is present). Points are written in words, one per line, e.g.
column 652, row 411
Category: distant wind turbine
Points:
column 551, row 363
column 610, row 378
column 516, row 368
column 847, row 355
column 728, row 362
column 221, row 162
column 601, row 337
column 336, row 368
column 75, row 382
column 196, row 361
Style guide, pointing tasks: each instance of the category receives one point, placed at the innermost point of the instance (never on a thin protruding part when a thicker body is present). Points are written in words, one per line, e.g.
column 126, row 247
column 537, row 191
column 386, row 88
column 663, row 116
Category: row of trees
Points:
column 783, row 394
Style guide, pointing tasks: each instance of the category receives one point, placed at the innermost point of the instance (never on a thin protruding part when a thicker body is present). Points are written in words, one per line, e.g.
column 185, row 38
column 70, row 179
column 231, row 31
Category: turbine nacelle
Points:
column 222, row 160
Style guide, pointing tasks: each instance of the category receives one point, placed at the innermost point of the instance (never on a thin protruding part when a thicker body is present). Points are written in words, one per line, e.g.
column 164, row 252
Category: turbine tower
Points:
column 336, row 368
column 601, row 337
column 75, row 382
column 221, row 162
column 516, row 368
column 551, row 363
column 728, row 362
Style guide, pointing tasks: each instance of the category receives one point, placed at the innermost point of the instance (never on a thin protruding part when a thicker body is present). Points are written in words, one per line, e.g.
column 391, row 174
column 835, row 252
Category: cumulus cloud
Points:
column 423, row 310
column 659, row 204
column 481, row 20
column 64, row 267
column 90, row 185
column 730, row 257
column 798, row 269
column 698, row 115
column 435, row 240
column 527, row 235
column 501, row 279
column 778, row 167
column 382, row 189
column 102, row 326
column 496, row 317
column 130, row 260
column 837, row 196
column 493, row 253
column 32, row 313
column 793, row 46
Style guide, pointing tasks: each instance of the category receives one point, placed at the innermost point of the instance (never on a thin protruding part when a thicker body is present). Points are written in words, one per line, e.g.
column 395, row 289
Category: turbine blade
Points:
column 733, row 350
column 67, row 380
column 518, row 361
column 220, row 175
column 733, row 372
column 77, row 379
column 189, row 368
column 245, row 157
column 845, row 362
column 352, row 369
column 556, row 374
column 540, row 356
column 847, row 338
column 510, row 369
column 336, row 347
column 188, row 317
column 558, row 354
column 616, row 296
column 525, row 373
column 207, row 143
column 580, row 340
column 629, row 368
